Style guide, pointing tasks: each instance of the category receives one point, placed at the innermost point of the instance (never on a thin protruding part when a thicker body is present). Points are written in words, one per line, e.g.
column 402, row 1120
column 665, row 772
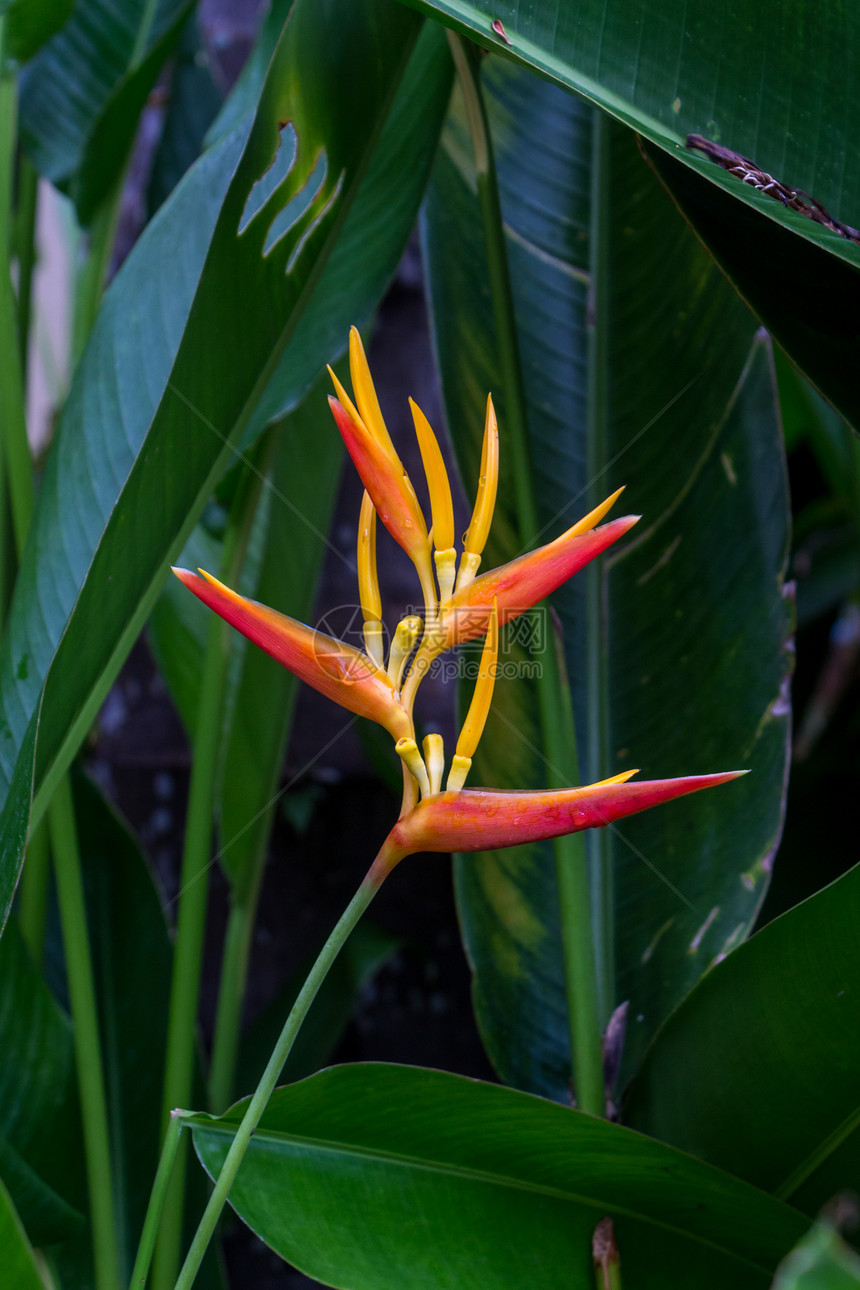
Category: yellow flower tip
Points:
column 615, row 779
column 434, row 760
column 365, row 394
column 593, row 518
column 473, row 726
column 407, row 750
column 460, row 767
column 441, row 503
column 368, row 581
column 345, row 401
column 485, row 502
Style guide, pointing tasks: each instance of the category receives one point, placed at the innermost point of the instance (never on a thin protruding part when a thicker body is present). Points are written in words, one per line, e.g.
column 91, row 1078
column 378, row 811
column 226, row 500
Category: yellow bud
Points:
column 407, row 749
column 408, row 632
column 365, row 394
column 434, row 760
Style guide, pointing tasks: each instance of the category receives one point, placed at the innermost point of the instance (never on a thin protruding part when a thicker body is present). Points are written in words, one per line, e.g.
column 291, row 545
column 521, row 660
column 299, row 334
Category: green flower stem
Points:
column 234, row 972
column 70, row 894
column 194, row 877
column 156, row 1200
column 259, row 1101
column 556, row 711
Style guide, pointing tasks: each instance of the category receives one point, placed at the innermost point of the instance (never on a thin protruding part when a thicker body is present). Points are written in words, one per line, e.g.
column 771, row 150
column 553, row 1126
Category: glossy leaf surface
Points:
column 389, row 1176
column 771, row 84
column 81, row 97
column 672, row 395
column 169, row 379
column 759, row 1069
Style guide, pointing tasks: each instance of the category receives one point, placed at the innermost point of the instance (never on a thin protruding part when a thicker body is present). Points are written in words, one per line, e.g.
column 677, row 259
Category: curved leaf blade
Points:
column 180, row 372
column 780, row 1105
column 374, row 1177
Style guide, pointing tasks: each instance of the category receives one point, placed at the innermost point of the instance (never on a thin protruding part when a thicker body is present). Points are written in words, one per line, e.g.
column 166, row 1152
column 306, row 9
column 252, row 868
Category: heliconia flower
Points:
column 475, row 537
column 520, row 584
column 482, row 819
column 331, row 666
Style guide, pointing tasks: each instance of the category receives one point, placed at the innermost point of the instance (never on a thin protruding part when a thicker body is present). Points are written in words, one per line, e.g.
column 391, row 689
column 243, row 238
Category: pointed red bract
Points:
column 517, row 586
column 336, row 669
column 482, row 819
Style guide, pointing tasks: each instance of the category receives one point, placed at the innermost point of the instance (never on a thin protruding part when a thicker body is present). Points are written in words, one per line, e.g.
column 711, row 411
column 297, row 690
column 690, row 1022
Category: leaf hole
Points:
column 281, row 165
column 297, row 206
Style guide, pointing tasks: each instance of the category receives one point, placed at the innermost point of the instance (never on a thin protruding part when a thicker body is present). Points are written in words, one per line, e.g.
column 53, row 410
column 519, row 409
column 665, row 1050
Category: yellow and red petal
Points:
column 517, row 586
column 336, row 669
column 483, row 819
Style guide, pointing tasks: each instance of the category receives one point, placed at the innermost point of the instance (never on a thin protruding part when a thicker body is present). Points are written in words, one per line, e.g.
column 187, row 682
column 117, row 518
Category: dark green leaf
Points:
column 304, row 484
column 194, row 100
column 178, row 358
column 132, row 965
column 38, row 1091
column 81, row 97
column 803, row 291
column 29, row 23
column 674, row 398
column 734, row 74
column 389, row 1176
column 758, row 1071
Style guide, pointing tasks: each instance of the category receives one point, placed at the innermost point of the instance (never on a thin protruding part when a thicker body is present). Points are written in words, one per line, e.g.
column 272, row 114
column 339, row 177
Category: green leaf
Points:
column 82, row 95
column 29, row 23
column 801, row 289
column 180, row 353
column 38, row 1092
column 758, row 1071
column 736, row 76
column 822, row 1261
column 380, row 1177
column 19, row 1266
column 132, row 966
column 191, row 107
column 304, row 485
column 728, row 72
column 673, row 396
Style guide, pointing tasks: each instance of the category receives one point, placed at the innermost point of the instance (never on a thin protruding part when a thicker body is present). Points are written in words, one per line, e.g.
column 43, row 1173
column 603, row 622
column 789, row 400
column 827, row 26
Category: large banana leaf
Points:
column 773, row 82
column 181, row 351
column 82, row 95
column 671, row 393
column 758, row 1071
column 377, row 1177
